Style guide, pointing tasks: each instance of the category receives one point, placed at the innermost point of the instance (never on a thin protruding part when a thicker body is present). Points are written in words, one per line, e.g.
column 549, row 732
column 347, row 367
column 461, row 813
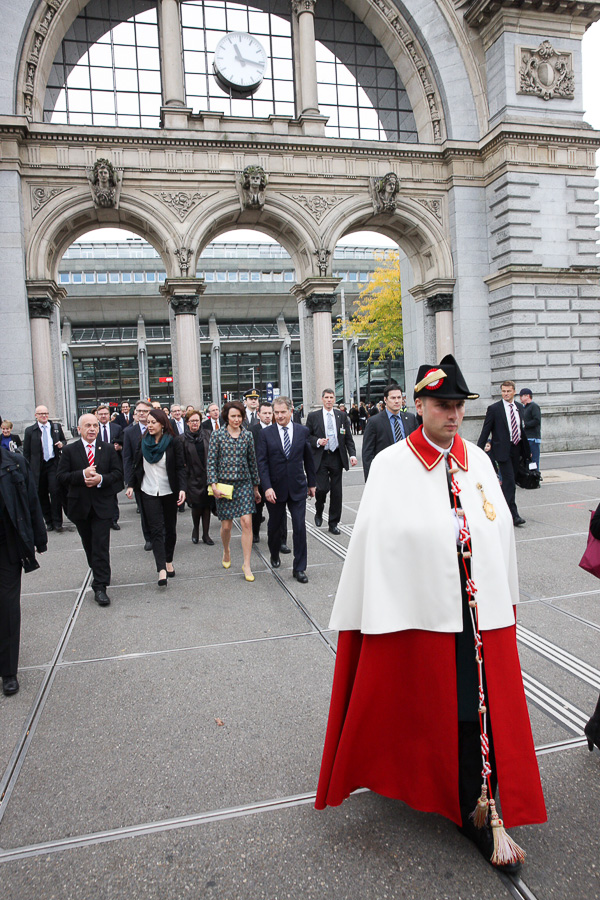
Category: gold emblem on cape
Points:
column 488, row 507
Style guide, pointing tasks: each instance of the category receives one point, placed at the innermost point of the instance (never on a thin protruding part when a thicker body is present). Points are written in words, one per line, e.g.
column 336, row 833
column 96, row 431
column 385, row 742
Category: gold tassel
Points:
column 480, row 813
column 505, row 849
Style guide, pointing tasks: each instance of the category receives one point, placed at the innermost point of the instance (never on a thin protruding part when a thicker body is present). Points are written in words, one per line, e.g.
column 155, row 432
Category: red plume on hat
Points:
column 444, row 381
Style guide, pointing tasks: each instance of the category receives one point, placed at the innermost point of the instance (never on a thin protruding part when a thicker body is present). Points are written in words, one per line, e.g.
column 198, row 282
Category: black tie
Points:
column 105, row 435
column 398, row 430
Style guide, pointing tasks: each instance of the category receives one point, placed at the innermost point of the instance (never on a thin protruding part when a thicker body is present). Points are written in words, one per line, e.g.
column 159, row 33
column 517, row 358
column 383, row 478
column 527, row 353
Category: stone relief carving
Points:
column 184, row 304
column 180, row 202
column 320, row 302
column 40, row 307
column 440, row 302
column 105, row 184
column 41, row 30
column 391, row 14
column 253, row 182
column 300, row 6
column 384, row 192
column 434, row 206
column 546, row 72
column 42, row 195
column 316, row 204
column 322, row 255
column 185, row 257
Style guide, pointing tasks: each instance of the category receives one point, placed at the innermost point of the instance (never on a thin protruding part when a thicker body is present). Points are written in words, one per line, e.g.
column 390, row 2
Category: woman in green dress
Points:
column 231, row 460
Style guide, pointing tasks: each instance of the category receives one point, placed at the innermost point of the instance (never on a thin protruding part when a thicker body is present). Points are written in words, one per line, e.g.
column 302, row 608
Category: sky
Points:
column 591, row 105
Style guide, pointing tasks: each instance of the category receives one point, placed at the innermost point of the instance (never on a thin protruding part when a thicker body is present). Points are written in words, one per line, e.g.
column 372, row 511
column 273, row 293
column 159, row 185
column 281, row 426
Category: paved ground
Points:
column 168, row 746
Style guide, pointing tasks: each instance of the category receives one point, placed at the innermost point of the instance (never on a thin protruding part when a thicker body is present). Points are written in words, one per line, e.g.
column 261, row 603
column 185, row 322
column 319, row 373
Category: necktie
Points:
column 46, row 442
column 515, row 437
column 286, row 442
column 398, row 429
column 331, row 435
column 105, row 438
column 216, row 421
column 90, row 454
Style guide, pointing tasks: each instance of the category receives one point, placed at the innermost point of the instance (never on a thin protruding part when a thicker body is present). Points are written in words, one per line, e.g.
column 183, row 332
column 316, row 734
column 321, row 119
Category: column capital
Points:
column 303, row 6
column 42, row 297
column 433, row 288
column 183, row 294
column 442, row 302
column 317, row 293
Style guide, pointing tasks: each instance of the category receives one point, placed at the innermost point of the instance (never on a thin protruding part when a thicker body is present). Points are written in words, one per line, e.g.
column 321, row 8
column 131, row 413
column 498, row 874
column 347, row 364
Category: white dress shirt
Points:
column 507, row 407
column 156, row 481
column 47, row 437
column 326, row 413
column 290, row 430
column 87, row 444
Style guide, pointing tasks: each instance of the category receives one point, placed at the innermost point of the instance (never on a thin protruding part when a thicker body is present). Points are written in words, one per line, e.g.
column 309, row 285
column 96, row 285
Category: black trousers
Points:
column 10, row 614
column 49, row 493
column 508, row 471
column 277, row 519
column 329, row 479
column 145, row 527
column 95, row 537
column 161, row 516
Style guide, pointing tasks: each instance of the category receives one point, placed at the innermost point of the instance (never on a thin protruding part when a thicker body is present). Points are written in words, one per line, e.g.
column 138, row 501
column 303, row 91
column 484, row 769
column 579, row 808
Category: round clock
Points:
column 240, row 62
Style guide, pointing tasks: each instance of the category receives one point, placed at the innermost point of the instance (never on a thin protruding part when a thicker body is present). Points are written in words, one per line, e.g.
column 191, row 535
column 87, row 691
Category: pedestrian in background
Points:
column 9, row 440
column 195, row 441
column 532, row 416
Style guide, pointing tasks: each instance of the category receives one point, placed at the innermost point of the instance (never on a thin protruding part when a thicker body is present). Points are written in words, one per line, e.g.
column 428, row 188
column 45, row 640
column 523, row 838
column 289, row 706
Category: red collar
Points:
column 430, row 457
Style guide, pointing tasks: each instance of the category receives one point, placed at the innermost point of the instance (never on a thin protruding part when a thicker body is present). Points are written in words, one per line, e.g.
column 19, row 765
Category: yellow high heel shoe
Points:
column 249, row 577
column 226, row 565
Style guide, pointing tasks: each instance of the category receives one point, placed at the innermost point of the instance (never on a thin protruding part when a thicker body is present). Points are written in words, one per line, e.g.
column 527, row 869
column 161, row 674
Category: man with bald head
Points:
column 90, row 473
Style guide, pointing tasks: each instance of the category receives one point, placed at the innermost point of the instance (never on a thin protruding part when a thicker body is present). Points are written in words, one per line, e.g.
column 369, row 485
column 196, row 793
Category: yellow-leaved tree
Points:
column 377, row 318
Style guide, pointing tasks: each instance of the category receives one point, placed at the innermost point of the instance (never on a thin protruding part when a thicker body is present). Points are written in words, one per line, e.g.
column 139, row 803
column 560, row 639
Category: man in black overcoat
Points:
column 42, row 445
column 387, row 428
column 132, row 437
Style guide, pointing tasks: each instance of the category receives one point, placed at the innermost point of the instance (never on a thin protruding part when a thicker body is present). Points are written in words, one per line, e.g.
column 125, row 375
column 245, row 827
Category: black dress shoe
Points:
column 102, row 598
column 484, row 841
column 195, row 537
column 318, row 520
column 208, row 540
column 171, row 574
column 256, row 538
column 518, row 521
column 275, row 563
column 49, row 526
column 148, row 545
column 284, row 549
column 334, row 529
column 10, row 685
column 301, row 576
column 59, row 529
column 115, row 526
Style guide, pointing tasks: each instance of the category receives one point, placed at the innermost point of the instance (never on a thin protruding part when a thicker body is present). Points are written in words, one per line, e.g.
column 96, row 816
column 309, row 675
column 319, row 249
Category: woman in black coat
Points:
column 592, row 729
column 195, row 441
column 159, row 474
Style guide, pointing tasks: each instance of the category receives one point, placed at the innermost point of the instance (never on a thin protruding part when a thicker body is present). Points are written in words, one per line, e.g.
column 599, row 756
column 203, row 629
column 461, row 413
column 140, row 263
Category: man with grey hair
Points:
column 91, row 475
column 287, row 474
column 42, row 445
column 177, row 420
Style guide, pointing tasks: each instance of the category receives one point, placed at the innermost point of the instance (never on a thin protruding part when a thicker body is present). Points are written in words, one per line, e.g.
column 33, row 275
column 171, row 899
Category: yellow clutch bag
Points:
column 226, row 490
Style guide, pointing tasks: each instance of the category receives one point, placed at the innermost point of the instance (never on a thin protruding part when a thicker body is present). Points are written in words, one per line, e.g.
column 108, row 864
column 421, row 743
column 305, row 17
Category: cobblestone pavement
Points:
column 168, row 746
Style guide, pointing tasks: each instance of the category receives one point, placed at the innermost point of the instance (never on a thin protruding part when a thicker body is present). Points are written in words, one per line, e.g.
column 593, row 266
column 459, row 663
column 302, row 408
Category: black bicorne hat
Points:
column 446, row 381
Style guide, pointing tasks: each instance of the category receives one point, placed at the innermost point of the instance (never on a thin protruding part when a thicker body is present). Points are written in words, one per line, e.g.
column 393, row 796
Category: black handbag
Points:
column 528, row 478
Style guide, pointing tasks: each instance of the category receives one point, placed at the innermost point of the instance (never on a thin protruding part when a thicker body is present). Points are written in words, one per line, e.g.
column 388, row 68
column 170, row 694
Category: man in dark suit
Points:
column 91, row 475
column 509, row 444
column 265, row 418
column 177, row 420
column 387, row 428
column 287, row 474
column 251, row 399
column 213, row 420
column 333, row 451
column 131, row 441
column 110, row 433
column 42, row 445
column 125, row 417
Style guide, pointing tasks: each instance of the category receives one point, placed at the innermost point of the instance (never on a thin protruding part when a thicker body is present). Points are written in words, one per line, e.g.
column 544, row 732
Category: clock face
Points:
column 240, row 62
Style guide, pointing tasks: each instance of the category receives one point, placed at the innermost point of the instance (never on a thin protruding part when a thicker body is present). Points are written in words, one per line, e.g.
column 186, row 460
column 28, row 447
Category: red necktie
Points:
column 90, row 454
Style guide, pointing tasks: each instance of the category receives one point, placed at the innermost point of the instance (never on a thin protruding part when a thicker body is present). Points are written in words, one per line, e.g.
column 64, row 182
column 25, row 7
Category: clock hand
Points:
column 239, row 55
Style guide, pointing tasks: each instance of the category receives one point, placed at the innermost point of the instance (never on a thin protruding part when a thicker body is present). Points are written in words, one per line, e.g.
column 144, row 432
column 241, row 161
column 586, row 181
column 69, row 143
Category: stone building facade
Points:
column 480, row 166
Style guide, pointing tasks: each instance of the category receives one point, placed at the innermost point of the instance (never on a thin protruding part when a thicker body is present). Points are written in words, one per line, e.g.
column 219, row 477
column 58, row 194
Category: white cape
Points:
column 401, row 570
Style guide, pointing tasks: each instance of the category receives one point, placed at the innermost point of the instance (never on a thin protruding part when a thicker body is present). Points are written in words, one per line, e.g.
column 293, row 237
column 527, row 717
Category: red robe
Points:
column 393, row 723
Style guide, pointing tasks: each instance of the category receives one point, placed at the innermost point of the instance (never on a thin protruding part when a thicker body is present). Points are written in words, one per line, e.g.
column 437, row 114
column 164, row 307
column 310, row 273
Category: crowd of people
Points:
column 398, row 658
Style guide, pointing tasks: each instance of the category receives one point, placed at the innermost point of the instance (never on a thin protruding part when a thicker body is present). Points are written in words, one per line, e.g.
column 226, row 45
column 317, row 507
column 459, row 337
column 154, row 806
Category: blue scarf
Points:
column 152, row 451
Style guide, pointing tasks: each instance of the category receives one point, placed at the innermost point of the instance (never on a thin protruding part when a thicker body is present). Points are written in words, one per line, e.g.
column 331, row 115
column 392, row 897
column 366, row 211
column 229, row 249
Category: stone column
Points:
column 304, row 11
column 441, row 305
column 183, row 295
column 317, row 295
column 174, row 113
column 42, row 297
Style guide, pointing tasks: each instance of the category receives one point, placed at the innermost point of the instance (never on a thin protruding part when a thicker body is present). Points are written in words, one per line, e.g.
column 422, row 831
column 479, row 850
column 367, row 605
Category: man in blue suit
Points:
column 287, row 474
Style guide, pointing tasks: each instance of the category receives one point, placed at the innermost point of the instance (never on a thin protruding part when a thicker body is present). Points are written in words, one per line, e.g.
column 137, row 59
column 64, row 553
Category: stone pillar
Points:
column 142, row 354
column 215, row 361
column 42, row 297
column 304, row 11
column 317, row 296
column 441, row 305
column 183, row 295
column 174, row 113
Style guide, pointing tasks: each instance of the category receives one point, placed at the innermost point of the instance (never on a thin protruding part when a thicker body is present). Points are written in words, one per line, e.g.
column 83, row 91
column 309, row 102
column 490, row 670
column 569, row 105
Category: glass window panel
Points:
column 283, row 69
column 124, row 33
column 194, row 62
column 64, row 278
column 90, row 278
column 147, row 35
column 101, row 79
column 127, row 104
column 102, row 277
column 125, row 277
column 76, row 278
column 107, row 119
column 254, row 276
column 79, row 77
column 103, row 102
column 345, row 77
column 327, row 95
column 80, row 101
column 209, row 276
column 232, row 276
column 138, row 276
column 281, row 47
column 114, row 277
column 237, row 20
column 368, row 118
column 100, row 55
column 285, row 109
column 258, row 22
column 347, row 95
column 220, row 276
column 150, row 276
column 150, row 104
column 215, row 19
column 148, row 58
column 244, row 276
column 191, row 14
